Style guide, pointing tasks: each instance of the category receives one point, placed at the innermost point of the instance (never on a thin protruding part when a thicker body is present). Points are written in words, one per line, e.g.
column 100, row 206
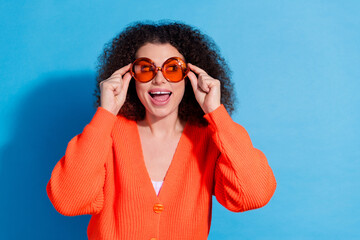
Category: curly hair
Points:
column 197, row 48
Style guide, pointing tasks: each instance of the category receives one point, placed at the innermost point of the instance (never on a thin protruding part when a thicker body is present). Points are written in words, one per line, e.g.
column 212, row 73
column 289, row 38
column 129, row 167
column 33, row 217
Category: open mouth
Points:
column 160, row 96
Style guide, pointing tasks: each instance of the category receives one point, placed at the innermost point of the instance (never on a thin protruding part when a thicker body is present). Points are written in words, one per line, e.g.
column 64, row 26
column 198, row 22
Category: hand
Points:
column 114, row 89
column 206, row 89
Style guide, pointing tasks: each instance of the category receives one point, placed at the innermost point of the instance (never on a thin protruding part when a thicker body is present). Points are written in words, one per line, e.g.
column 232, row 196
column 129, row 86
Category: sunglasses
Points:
column 173, row 69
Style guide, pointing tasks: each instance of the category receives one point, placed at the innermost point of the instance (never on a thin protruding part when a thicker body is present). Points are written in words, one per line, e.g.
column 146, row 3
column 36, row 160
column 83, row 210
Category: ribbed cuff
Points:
column 103, row 120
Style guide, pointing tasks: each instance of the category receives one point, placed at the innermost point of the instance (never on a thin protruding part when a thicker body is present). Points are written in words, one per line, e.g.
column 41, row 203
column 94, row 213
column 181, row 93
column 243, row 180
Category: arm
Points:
column 243, row 178
column 76, row 183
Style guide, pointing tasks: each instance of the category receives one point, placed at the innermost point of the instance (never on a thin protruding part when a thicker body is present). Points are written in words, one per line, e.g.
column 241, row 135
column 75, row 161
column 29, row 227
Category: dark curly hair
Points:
column 197, row 48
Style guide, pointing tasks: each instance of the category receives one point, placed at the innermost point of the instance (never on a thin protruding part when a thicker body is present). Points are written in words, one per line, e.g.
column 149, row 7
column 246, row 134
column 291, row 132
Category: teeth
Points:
column 159, row 93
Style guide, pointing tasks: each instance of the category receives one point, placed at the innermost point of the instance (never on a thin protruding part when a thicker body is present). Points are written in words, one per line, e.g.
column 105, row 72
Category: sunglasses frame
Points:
column 185, row 71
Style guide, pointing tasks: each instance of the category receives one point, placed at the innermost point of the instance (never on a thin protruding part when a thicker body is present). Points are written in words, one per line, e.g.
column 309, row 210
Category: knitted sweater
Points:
column 103, row 173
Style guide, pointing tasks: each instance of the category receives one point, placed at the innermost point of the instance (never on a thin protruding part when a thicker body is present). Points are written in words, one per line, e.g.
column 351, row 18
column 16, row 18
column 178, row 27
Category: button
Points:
column 158, row 208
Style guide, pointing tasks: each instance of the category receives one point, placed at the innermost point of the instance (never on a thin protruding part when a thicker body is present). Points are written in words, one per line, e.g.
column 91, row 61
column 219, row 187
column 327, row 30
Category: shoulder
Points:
column 123, row 126
column 123, row 120
column 198, row 132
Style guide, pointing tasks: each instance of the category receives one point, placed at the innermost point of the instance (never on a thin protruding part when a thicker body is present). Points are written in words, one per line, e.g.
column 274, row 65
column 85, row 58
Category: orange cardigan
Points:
column 103, row 174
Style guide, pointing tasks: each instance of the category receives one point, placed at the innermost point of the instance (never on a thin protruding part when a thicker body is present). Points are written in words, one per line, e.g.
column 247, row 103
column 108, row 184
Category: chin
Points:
column 161, row 113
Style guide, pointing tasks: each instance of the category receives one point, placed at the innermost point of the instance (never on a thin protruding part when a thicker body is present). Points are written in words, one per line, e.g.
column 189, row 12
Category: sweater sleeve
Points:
column 243, row 179
column 77, row 180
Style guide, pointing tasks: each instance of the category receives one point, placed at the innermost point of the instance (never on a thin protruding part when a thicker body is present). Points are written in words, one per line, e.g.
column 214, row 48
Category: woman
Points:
column 161, row 142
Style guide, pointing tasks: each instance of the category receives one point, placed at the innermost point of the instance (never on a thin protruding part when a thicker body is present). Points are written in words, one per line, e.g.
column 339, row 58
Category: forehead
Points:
column 158, row 52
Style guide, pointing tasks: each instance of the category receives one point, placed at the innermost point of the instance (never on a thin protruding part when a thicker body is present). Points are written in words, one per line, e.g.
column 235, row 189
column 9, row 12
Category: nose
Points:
column 159, row 77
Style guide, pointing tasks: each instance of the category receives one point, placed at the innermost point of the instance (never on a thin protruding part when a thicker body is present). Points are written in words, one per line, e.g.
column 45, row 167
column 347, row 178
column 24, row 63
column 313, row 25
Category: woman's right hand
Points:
column 114, row 89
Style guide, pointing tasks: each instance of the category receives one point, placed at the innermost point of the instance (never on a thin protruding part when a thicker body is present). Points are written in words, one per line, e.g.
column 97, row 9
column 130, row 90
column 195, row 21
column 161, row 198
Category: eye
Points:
column 146, row 68
column 172, row 68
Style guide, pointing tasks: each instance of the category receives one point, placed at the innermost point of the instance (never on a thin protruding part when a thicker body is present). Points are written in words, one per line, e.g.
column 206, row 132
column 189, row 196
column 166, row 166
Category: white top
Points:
column 157, row 186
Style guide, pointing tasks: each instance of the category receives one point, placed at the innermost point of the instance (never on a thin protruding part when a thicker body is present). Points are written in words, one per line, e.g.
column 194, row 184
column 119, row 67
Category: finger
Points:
column 198, row 84
column 122, row 87
column 196, row 69
column 117, row 75
column 204, row 84
column 122, row 70
column 202, row 77
column 112, row 79
column 126, row 81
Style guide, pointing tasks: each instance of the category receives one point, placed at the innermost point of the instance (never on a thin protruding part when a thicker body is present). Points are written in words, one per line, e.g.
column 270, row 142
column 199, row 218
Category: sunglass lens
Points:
column 143, row 71
column 174, row 70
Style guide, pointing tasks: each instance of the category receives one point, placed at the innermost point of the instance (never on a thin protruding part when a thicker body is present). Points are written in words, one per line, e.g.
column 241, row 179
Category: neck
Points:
column 162, row 126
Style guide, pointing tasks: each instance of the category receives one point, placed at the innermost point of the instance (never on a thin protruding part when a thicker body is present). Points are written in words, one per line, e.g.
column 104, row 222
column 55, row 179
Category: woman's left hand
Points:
column 206, row 89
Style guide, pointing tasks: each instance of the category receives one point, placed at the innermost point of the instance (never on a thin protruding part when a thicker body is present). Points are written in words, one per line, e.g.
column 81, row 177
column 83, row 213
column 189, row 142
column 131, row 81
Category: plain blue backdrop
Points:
column 296, row 68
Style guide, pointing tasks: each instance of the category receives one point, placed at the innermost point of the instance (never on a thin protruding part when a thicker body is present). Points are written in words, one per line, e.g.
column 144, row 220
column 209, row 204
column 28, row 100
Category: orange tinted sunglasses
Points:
column 173, row 69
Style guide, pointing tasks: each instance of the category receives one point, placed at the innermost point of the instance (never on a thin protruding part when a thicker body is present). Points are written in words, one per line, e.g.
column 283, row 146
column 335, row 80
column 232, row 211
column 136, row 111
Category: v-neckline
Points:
column 169, row 176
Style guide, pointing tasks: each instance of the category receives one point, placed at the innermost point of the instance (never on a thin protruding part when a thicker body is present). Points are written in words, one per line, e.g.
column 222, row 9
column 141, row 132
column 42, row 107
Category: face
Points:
column 160, row 97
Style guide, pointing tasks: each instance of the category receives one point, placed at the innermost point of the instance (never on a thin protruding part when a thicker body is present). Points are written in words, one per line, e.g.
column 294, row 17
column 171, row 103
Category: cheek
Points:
column 181, row 90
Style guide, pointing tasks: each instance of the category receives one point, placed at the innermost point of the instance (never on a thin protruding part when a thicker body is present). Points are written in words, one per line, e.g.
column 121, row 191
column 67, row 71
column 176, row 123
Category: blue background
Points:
column 296, row 68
